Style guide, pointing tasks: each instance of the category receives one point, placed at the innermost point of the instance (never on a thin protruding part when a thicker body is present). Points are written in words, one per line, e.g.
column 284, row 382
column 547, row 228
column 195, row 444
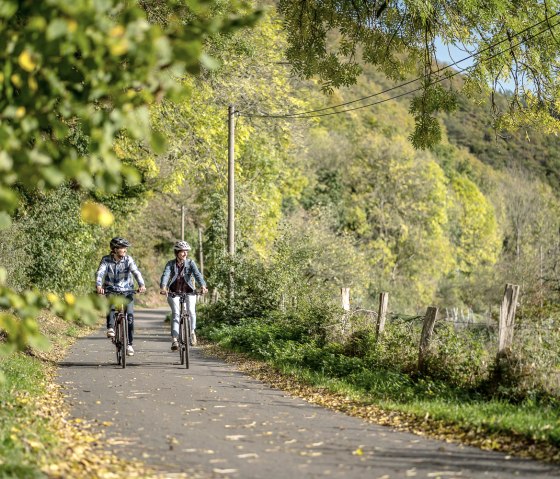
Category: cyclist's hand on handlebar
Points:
column 100, row 290
column 204, row 290
column 142, row 289
column 163, row 291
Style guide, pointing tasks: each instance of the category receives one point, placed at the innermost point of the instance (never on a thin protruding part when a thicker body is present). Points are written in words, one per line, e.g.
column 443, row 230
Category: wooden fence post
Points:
column 427, row 330
column 345, row 293
column 507, row 318
column 383, row 302
column 215, row 295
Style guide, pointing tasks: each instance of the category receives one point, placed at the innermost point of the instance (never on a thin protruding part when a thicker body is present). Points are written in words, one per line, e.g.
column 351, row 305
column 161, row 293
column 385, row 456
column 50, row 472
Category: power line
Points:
column 306, row 114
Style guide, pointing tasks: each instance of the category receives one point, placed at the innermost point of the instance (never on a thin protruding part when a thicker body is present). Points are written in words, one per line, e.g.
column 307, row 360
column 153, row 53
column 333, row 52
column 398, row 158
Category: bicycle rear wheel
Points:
column 182, row 338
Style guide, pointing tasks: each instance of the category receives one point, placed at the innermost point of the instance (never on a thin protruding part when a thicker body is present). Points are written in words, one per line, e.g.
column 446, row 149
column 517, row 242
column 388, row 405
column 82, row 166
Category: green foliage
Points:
column 460, row 357
column 433, row 99
column 285, row 281
column 64, row 249
column 334, row 41
column 21, row 373
column 472, row 127
column 92, row 66
column 196, row 130
column 76, row 84
column 473, row 227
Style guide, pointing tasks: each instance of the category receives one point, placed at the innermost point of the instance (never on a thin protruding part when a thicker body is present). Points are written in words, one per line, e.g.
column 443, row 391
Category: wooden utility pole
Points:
column 345, row 293
column 231, row 181
column 182, row 223
column 200, row 252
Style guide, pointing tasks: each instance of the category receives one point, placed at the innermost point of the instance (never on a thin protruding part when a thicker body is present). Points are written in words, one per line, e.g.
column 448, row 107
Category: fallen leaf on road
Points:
column 443, row 473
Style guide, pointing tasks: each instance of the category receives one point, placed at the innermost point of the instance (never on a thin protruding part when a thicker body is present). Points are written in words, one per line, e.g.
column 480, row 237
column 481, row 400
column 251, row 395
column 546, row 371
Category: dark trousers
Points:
column 129, row 317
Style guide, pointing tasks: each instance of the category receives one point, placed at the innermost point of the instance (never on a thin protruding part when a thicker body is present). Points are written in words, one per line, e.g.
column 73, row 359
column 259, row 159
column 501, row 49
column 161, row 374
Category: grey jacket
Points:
column 171, row 271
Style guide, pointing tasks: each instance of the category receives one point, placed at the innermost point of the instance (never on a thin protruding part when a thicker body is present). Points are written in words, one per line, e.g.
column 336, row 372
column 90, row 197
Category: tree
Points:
column 75, row 77
column 473, row 229
column 510, row 40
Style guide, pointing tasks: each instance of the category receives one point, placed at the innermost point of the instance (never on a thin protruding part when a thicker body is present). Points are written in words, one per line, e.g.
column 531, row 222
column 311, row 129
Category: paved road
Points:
column 213, row 421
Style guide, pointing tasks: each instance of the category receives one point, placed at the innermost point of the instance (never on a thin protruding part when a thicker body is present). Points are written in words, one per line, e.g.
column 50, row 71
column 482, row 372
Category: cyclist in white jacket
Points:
column 177, row 277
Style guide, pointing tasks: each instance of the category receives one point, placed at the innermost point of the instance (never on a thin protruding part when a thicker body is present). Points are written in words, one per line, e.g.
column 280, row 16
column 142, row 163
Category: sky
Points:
column 450, row 54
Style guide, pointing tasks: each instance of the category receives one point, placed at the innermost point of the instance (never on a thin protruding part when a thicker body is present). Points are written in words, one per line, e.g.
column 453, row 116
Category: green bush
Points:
column 56, row 250
column 459, row 357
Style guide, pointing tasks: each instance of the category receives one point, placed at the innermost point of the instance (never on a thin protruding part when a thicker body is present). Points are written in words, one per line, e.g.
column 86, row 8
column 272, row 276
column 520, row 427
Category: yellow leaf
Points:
column 117, row 31
column 119, row 48
column 72, row 25
column 26, row 61
column 69, row 298
column 95, row 213
column 16, row 80
column 34, row 444
column 53, row 298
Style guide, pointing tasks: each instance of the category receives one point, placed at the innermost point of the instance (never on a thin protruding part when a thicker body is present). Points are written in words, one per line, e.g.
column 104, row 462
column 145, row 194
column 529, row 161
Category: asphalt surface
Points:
column 213, row 421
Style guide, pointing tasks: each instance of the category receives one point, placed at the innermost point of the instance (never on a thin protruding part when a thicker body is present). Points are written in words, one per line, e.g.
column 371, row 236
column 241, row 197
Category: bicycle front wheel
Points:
column 117, row 341
column 187, row 326
column 182, row 339
column 124, row 339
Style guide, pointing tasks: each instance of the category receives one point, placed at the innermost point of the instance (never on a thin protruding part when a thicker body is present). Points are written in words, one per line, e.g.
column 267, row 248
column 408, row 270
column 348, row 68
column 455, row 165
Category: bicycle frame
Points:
column 184, row 338
column 120, row 340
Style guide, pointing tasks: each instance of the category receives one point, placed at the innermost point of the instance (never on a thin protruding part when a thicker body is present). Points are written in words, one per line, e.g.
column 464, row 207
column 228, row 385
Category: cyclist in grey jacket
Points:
column 115, row 273
column 177, row 277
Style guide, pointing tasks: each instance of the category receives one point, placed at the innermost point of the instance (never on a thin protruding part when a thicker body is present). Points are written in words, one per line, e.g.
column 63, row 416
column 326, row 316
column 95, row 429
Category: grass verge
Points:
column 429, row 408
column 37, row 437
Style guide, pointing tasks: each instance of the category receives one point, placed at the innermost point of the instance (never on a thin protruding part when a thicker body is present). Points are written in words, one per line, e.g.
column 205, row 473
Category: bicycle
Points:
column 120, row 340
column 184, row 339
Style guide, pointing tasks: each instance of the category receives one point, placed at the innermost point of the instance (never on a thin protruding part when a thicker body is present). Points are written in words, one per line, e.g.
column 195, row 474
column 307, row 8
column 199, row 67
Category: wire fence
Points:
column 465, row 346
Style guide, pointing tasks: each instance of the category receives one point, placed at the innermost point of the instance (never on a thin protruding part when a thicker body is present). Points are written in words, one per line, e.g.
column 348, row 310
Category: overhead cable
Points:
column 308, row 114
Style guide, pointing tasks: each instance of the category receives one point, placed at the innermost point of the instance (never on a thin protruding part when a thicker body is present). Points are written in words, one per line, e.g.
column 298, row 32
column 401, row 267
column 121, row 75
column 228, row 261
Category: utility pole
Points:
column 231, row 181
column 200, row 252
column 182, row 223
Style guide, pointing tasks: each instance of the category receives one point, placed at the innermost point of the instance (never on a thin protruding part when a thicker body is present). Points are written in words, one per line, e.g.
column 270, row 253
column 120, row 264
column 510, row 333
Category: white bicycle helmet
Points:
column 182, row 246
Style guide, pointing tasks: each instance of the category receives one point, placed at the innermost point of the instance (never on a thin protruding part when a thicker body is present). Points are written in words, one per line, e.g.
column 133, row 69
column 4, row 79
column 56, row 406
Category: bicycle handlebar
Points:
column 173, row 294
column 121, row 292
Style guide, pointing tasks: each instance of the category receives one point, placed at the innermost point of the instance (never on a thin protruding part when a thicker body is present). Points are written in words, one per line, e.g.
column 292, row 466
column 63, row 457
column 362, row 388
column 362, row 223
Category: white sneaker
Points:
column 110, row 333
column 193, row 339
column 129, row 350
column 174, row 345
